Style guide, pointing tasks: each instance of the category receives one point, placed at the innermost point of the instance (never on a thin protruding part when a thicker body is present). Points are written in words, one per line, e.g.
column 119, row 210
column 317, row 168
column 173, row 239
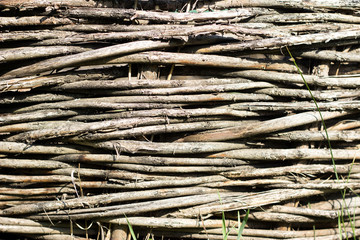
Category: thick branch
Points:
column 81, row 58
column 262, row 127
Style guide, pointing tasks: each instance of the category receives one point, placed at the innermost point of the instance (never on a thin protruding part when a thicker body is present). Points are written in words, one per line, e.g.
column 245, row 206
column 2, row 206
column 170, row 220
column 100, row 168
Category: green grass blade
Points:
column 131, row 229
column 225, row 234
column 339, row 226
column 243, row 223
column 317, row 107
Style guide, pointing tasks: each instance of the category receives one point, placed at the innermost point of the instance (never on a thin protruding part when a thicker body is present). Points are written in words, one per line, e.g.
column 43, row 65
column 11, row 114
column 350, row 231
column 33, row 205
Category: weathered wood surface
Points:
column 343, row 4
column 262, row 127
column 159, row 16
column 172, row 117
column 76, row 59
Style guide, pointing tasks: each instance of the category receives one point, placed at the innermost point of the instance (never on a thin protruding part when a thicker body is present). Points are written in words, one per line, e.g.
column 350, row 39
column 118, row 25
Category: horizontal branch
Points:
column 146, row 102
column 147, row 160
column 343, row 4
column 307, row 17
column 31, row 164
column 165, row 34
column 334, row 135
column 305, row 211
column 347, row 81
column 200, row 60
column 288, row 154
column 46, row 3
column 284, row 218
column 82, row 58
column 36, row 191
column 33, row 21
column 247, row 172
column 35, row 116
column 169, row 169
column 37, row 230
column 246, row 201
column 276, row 43
column 322, row 185
column 122, row 83
column 180, row 223
column 174, row 148
column 28, row 83
column 71, row 129
column 33, row 35
column 199, row 88
column 159, row 184
column 247, row 234
column 101, row 200
column 135, row 208
column 154, row 129
column 13, row 147
column 262, row 127
column 36, row 98
column 296, row 106
column 331, row 55
column 117, row 176
column 111, row 103
column 131, row 14
column 171, row 29
column 24, row 53
column 34, row 179
column 323, row 95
